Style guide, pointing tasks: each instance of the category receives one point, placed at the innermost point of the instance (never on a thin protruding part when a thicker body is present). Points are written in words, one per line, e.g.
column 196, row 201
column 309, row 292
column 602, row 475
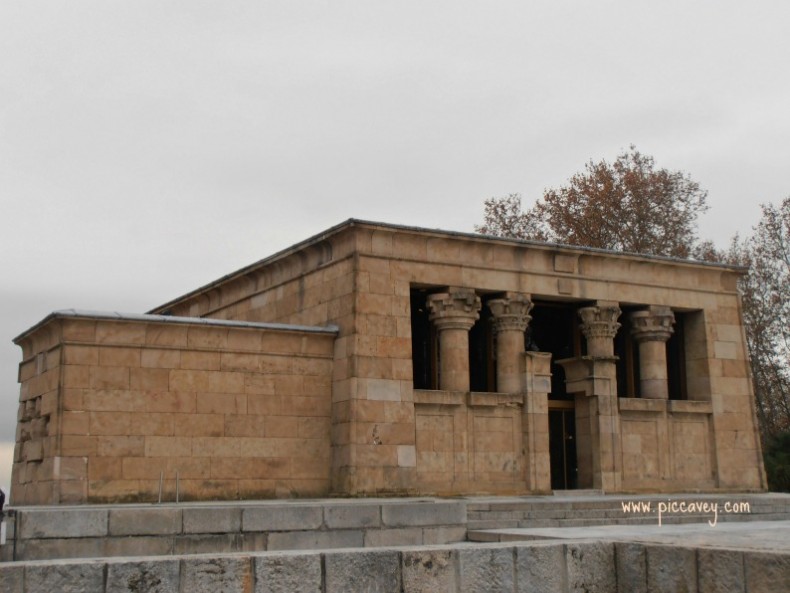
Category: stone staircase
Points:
column 585, row 508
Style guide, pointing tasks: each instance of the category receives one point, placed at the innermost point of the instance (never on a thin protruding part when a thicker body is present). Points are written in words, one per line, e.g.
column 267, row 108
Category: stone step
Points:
column 574, row 511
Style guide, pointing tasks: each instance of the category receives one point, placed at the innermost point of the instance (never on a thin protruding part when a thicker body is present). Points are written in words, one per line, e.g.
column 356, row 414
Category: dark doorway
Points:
column 562, row 448
column 676, row 359
column 555, row 329
column 423, row 342
column 627, row 352
column 482, row 369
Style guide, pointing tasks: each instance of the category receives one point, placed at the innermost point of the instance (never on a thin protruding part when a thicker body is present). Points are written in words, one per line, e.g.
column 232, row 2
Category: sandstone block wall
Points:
column 108, row 406
column 667, row 442
column 469, row 442
column 214, row 403
column 387, row 439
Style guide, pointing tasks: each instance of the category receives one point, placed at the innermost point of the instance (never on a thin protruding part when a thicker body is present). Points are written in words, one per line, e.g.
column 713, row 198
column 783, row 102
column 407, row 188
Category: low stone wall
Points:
column 89, row 532
column 525, row 568
column 667, row 442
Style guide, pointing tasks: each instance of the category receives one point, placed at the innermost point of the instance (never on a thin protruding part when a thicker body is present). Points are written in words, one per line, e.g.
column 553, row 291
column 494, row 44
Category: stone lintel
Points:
column 436, row 397
column 637, row 404
column 484, row 399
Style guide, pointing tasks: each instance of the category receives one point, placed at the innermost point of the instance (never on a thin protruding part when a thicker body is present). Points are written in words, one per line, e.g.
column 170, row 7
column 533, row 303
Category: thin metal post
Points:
column 161, row 477
column 17, row 518
column 176, row 485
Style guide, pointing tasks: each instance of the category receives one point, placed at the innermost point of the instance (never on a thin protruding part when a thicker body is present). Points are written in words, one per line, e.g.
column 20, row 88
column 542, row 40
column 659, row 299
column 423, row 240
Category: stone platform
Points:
column 395, row 548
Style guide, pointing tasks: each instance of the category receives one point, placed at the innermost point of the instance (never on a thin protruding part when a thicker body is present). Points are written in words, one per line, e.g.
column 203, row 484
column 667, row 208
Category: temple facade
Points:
column 376, row 359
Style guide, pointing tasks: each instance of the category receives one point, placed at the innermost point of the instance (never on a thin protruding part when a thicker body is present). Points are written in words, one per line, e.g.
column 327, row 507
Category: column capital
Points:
column 652, row 324
column 458, row 308
column 600, row 321
column 511, row 313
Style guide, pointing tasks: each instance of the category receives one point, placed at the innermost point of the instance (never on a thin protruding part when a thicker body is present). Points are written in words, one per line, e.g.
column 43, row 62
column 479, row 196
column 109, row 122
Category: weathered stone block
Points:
column 148, row 379
column 208, row 520
column 154, row 576
column 288, row 573
column 102, row 377
column 443, row 535
column 64, row 577
column 405, row 536
column 352, row 515
column 164, row 359
column 144, row 521
column 12, row 578
column 767, row 573
column 670, row 568
column 63, row 523
column 482, row 570
column 212, row 544
column 429, row 571
column 211, row 575
column 591, row 567
column 146, row 545
column 108, row 332
column 166, row 335
column 375, row 571
column 541, row 569
column 44, row 549
column 631, row 568
column 282, row 518
column 119, row 357
column 315, row 540
column 439, row 513
column 720, row 571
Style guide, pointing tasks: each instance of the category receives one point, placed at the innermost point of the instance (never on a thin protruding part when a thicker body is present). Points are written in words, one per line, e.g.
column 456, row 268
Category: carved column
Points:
column 599, row 326
column 593, row 378
column 511, row 316
column 454, row 313
column 652, row 328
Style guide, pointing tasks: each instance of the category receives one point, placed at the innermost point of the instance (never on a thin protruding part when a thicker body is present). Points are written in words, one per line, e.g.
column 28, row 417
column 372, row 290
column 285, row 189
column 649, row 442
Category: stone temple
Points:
column 375, row 359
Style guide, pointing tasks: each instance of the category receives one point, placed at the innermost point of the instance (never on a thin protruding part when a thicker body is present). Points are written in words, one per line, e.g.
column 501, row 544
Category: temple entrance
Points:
column 554, row 328
column 562, row 446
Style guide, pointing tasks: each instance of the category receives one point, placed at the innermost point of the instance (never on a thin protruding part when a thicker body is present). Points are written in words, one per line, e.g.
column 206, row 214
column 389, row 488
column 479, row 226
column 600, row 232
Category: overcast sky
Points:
column 147, row 148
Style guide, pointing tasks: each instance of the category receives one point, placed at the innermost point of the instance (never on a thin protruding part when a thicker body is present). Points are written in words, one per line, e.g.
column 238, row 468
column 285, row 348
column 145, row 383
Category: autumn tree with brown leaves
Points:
column 631, row 206
column 628, row 205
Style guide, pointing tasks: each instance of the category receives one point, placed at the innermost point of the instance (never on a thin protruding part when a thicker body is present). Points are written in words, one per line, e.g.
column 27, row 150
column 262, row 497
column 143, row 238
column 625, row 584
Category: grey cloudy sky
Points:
column 147, row 148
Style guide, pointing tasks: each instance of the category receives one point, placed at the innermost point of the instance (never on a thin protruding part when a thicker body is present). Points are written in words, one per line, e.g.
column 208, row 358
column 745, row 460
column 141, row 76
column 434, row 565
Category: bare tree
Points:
column 765, row 291
column 628, row 205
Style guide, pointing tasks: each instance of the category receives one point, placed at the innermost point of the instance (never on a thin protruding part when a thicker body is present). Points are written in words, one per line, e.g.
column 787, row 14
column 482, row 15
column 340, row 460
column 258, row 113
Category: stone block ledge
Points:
column 553, row 567
column 193, row 528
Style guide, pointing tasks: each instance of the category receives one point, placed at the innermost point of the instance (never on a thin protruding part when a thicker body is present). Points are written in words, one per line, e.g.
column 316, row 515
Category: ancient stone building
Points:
column 378, row 359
